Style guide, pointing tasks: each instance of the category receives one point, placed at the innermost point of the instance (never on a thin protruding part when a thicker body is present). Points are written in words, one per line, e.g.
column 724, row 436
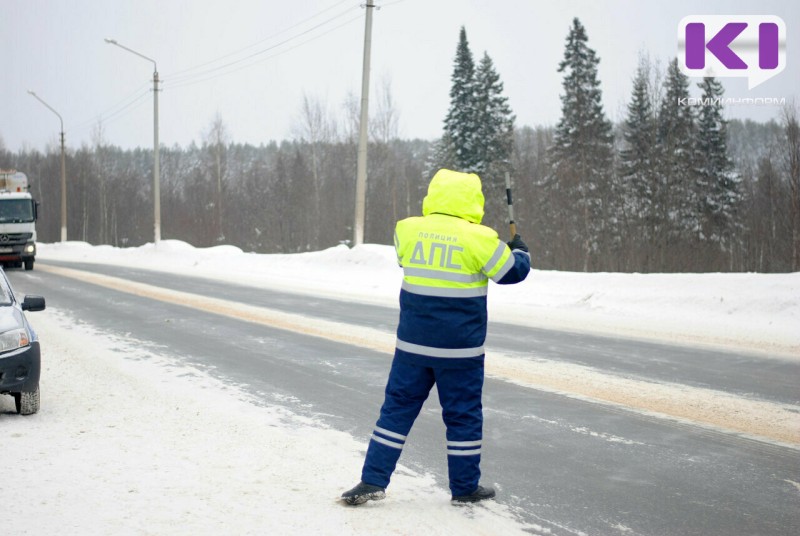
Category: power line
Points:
column 126, row 104
column 179, row 78
column 234, row 53
column 129, row 107
column 186, row 77
column 190, row 81
column 113, row 110
column 110, row 118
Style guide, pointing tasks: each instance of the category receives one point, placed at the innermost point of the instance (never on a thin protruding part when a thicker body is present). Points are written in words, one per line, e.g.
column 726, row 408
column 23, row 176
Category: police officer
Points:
column 447, row 258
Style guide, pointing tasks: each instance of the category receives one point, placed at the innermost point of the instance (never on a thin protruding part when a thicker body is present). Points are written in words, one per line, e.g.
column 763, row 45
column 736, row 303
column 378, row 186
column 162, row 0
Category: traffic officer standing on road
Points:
column 447, row 258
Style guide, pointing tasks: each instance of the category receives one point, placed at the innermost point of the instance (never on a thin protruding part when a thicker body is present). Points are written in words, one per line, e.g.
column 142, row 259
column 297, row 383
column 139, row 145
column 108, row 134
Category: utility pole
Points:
column 156, row 163
column 361, row 167
column 63, row 170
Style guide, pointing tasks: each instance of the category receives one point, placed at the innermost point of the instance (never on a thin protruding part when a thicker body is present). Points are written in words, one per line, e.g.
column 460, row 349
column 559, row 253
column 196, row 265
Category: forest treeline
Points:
column 671, row 188
column 274, row 201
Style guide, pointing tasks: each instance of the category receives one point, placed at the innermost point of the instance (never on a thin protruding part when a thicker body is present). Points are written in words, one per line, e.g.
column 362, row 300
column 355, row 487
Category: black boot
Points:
column 363, row 493
column 480, row 494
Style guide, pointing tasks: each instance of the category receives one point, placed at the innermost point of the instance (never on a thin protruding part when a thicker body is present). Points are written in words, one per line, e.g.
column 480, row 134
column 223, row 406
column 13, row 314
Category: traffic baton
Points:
column 511, row 222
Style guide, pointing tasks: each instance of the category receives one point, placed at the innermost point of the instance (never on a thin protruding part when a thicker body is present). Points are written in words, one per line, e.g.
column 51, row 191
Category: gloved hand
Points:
column 517, row 243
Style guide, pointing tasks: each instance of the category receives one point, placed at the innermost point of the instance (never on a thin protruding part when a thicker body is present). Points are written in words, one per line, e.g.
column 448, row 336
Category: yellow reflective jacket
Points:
column 448, row 259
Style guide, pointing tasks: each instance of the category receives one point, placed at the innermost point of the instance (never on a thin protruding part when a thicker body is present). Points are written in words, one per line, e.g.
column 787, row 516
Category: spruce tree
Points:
column 478, row 132
column 676, row 198
column 494, row 138
column 461, row 124
column 637, row 165
column 582, row 153
column 718, row 185
column 495, row 122
column 637, row 158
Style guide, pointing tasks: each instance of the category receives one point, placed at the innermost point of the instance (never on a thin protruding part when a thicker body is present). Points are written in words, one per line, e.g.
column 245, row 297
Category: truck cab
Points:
column 18, row 215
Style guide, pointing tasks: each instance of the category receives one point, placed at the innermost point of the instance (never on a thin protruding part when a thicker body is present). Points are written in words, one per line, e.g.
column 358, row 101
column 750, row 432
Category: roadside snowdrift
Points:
column 758, row 312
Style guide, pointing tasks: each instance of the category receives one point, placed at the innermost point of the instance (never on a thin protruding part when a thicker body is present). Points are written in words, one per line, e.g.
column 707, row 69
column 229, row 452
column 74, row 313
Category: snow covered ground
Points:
column 130, row 449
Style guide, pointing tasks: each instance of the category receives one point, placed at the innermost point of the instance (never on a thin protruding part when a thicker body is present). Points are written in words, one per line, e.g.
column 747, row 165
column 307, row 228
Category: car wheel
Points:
column 27, row 403
column 29, row 264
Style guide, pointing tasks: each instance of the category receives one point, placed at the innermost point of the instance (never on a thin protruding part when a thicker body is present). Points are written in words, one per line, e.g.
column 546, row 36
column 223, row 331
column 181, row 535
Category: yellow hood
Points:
column 455, row 194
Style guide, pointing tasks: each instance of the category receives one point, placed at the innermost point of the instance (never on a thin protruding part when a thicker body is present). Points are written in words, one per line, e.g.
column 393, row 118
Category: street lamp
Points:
column 63, row 170
column 156, row 165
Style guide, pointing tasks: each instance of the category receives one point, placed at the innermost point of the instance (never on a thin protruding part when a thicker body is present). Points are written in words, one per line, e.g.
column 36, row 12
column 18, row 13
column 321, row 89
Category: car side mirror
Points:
column 33, row 303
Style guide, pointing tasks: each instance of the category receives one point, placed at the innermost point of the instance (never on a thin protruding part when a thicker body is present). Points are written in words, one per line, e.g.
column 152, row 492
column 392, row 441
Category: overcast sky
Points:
column 278, row 50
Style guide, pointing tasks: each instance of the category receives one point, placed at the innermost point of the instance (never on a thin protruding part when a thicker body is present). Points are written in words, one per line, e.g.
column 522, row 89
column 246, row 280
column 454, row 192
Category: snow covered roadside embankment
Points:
column 752, row 312
column 128, row 442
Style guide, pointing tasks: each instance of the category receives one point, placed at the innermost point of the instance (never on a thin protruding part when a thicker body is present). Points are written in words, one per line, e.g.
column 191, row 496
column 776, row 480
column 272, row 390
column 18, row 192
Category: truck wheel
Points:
column 29, row 264
column 27, row 403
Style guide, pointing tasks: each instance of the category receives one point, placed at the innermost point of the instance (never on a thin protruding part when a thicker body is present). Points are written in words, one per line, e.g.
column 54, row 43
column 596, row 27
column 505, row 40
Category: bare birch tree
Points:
column 102, row 171
column 384, row 125
column 217, row 140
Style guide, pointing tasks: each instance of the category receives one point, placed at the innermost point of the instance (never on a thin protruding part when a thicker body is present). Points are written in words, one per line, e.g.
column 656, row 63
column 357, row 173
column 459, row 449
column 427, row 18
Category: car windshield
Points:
column 16, row 210
column 5, row 294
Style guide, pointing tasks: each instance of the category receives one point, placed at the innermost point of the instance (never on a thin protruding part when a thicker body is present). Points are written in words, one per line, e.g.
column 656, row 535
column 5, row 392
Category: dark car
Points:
column 20, row 364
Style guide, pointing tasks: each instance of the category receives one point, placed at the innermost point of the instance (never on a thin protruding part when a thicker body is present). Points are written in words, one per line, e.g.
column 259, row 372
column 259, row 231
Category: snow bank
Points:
column 758, row 312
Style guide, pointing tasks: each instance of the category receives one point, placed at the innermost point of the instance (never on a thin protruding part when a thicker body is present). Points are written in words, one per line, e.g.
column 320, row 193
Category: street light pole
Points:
column 63, row 170
column 156, row 163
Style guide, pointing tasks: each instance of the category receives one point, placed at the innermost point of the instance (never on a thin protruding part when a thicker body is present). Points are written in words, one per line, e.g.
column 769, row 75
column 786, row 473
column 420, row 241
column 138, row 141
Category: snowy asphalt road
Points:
column 570, row 466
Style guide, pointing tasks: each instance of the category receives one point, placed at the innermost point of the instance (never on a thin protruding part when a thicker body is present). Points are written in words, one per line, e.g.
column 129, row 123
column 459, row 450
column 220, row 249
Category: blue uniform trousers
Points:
column 407, row 389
